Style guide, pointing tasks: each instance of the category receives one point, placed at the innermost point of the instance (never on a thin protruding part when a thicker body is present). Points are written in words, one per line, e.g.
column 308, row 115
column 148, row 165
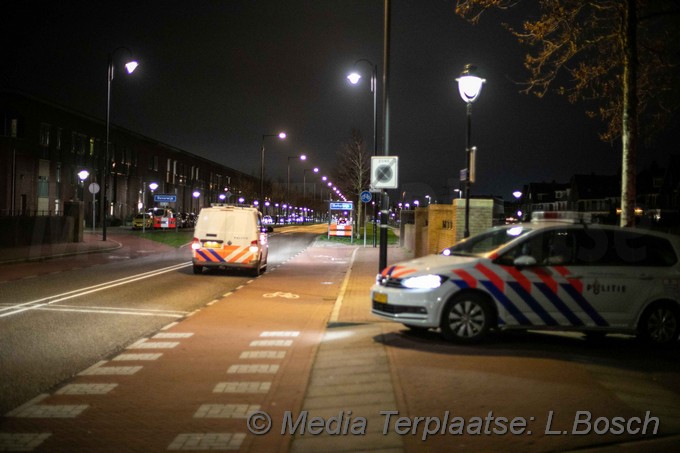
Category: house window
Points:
column 43, row 187
column 44, row 134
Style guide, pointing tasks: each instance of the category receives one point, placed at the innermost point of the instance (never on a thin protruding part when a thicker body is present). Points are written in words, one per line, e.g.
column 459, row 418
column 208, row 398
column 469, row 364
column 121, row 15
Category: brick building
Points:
column 43, row 146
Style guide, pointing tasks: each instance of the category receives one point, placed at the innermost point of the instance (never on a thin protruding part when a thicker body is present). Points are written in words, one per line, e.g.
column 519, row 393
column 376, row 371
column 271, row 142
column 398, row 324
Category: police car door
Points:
column 620, row 273
column 548, row 290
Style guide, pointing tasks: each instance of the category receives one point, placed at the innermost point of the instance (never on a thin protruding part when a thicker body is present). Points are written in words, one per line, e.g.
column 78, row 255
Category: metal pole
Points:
column 374, row 87
column 262, row 171
column 105, row 175
column 466, row 232
column 384, row 199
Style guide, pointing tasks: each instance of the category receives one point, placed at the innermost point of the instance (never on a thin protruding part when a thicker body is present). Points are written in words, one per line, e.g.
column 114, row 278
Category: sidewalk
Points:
column 92, row 243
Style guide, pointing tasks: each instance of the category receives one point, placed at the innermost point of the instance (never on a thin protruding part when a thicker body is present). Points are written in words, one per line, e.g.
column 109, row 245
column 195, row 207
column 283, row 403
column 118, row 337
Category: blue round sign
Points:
column 366, row 196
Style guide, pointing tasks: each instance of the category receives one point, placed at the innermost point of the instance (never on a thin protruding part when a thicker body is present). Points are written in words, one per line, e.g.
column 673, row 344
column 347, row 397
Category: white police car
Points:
column 552, row 273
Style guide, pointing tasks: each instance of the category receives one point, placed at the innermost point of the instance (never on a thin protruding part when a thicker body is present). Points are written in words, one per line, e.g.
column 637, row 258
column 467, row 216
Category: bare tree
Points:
column 354, row 167
column 618, row 56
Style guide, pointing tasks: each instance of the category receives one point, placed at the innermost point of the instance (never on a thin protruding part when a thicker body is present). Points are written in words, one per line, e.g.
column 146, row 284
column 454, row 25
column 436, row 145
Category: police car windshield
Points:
column 488, row 241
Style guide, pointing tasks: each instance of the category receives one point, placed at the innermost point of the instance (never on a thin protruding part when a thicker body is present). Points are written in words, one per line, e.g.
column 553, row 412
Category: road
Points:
column 542, row 379
column 60, row 316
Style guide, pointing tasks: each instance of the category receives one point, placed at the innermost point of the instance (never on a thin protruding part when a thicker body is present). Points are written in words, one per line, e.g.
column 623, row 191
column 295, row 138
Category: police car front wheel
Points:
column 660, row 324
column 467, row 318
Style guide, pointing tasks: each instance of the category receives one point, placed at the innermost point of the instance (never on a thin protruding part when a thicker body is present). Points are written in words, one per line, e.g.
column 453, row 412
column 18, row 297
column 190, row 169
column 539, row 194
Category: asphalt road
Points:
column 60, row 316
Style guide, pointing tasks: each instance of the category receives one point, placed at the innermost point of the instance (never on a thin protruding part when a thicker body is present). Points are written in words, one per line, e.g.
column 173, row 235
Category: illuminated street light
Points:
column 301, row 157
column 354, row 78
column 82, row 175
column 281, row 136
column 130, row 66
column 196, row 194
column 304, row 181
column 469, row 87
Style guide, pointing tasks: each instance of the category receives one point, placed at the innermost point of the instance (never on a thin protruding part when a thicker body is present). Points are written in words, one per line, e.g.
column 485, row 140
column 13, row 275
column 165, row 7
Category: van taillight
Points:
column 254, row 247
column 196, row 244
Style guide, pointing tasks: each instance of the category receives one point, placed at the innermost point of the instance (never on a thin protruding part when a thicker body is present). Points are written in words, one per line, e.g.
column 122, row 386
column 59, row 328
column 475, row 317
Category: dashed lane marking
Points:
column 253, row 369
column 207, row 441
column 262, row 355
column 141, row 357
column 280, row 334
column 269, row 343
column 86, row 389
column 243, row 387
column 166, row 335
column 144, row 344
column 226, row 410
column 110, row 371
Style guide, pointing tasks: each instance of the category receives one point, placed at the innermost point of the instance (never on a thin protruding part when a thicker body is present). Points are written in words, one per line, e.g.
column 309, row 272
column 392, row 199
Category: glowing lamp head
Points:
column 354, row 78
column 469, row 84
column 130, row 66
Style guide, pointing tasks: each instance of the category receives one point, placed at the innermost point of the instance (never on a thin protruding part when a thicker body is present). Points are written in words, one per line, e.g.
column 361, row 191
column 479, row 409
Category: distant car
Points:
column 142, row 220
column 545, row 275
column 267, row 220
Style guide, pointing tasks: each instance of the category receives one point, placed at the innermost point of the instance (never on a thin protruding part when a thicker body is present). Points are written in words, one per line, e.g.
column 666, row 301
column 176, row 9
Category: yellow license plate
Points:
column 212, row 245
column 380, row 298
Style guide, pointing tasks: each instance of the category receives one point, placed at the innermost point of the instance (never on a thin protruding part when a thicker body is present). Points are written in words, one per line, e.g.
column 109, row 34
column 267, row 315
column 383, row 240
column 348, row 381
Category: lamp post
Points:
column 469, row 87
column 304, row 182
column 282, row 136
column 301, row 157
column 82, row 175
column 354, row 78
column 196, row 194
column 130, row 66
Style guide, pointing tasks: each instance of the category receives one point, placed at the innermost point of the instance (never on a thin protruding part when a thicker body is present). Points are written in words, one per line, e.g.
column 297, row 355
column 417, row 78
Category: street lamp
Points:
column 153, row 186
column 354, row 78
column 82, row 175
column 130, row 66
column 304, row 182
column 469, row 87
column 301, row 157
column 196, row 194
column 282, row 136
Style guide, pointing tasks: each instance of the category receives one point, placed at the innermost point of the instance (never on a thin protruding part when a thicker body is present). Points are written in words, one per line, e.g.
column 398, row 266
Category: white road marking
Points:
column 45, row 301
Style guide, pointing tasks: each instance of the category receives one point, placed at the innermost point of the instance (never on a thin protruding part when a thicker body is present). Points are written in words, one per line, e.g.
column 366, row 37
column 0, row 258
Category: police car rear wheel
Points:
column 660, row 324
column 466, row 319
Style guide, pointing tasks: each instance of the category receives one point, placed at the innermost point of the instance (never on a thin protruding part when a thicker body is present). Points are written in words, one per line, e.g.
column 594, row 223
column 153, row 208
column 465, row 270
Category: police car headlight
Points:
column 429, row 281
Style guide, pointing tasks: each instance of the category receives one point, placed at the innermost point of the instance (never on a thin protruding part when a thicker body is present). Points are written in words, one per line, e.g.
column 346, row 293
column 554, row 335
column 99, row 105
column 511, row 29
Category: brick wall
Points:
column 439, row 226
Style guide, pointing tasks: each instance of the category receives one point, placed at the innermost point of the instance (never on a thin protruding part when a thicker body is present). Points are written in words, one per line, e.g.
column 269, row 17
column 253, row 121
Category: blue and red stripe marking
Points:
column 522, row 286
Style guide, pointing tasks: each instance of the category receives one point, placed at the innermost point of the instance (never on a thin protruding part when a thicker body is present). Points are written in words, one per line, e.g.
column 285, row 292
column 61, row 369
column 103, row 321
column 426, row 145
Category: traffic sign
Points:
column 341, row 206
column 366, row 196
column 384, row 172
column 93, row 188
column 165, row 198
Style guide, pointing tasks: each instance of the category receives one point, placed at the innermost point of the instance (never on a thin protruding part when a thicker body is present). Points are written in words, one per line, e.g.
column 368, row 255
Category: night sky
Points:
column 214, row 76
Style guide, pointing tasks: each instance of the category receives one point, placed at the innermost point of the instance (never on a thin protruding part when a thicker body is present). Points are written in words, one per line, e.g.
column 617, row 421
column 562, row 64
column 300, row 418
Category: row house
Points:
column 43, row 147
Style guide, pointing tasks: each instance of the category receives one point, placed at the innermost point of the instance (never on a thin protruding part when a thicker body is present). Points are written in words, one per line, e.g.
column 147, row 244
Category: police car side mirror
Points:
column 524, row 261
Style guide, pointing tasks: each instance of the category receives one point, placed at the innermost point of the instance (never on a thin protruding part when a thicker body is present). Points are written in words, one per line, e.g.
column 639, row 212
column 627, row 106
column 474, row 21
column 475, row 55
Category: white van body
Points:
column 230, row 237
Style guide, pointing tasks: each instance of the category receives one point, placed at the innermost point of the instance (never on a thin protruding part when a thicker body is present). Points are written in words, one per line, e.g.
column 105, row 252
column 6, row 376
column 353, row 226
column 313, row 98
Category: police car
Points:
column 558, row 272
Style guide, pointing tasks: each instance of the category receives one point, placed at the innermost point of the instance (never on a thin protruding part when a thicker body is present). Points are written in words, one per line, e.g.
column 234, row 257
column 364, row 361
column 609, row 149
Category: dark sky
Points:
column 214, row 76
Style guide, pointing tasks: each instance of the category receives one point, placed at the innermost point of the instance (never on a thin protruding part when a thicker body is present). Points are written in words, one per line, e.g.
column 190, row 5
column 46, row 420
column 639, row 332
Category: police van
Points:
column 558, row 272
column 230, row 237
